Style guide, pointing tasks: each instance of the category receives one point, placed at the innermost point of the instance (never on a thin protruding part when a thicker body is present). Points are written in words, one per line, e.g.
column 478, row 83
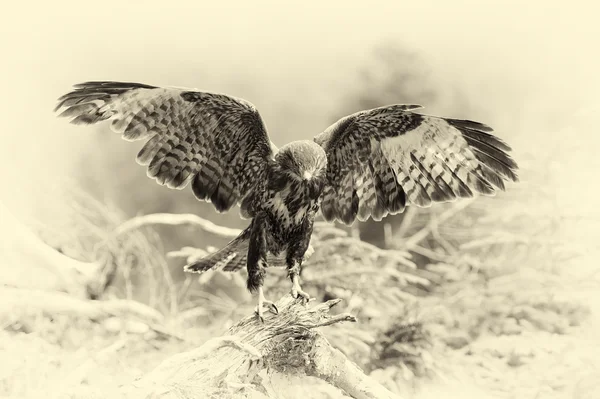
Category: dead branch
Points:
column 400, row 256
column 434, row 223
column 31, row 263
column 239, row 362
column 18, row 302
column 174, row 219
column 407, row 220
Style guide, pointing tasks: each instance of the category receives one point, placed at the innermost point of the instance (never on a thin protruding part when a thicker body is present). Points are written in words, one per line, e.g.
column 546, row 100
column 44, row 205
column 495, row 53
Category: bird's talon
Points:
column 298, row 293
column 273, row 309
column 297, row 290
column 259, row 314
column 305, row 298
column 262, row 303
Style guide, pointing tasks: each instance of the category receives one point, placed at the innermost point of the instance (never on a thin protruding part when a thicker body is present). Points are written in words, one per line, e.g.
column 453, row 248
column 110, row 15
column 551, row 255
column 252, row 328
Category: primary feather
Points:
column 216, row 142
column 383, row 159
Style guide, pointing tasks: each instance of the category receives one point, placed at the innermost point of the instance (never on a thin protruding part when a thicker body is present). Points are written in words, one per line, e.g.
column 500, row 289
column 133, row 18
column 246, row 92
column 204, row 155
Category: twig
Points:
column 430, row 254
column 399, row 256
column 159, row 329
column 388, row 235
column 509, row 238
column 425, row 231
column 172, row 289
column 176, row 219
column 435, row 232
column 123, row 306
column 337, row 319
column 407, row 220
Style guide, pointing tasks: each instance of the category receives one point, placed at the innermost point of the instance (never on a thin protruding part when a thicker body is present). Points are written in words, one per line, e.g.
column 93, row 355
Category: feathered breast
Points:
column 289, row 200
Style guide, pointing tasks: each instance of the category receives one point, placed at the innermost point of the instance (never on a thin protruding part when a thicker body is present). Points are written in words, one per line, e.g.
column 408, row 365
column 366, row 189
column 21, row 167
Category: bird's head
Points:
column 303, row 160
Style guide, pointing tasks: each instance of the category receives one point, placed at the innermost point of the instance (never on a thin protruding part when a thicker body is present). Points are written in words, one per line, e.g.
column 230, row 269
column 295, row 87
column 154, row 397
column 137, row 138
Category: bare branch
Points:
column 399, row 256
column 425, row 231
column 332, row 366
column 40, row 265
column 177, row 219
column 409, row 216
column 19, row 302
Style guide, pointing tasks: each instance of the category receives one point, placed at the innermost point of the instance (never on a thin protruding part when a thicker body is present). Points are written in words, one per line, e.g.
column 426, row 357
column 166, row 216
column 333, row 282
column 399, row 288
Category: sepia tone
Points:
column 485, row 296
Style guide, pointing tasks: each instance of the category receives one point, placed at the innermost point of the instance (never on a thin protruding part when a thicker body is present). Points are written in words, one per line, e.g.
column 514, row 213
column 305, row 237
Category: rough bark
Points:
column 239, row 363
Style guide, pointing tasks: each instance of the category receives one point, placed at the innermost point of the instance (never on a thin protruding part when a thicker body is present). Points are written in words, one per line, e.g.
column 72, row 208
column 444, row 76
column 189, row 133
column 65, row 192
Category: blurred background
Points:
column 528, row 69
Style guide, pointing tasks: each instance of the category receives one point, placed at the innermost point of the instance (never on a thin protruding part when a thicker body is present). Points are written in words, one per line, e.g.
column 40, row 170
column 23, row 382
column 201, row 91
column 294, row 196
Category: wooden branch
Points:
column 177, row 219
column 20, row 302
column 409, row 216
column 16, row 304
column 30, row 263
column 400, row 256
column 425, row 231
column 251, row 351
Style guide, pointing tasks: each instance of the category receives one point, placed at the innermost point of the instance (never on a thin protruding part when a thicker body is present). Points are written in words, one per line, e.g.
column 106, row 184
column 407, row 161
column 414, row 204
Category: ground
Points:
column 74, row 358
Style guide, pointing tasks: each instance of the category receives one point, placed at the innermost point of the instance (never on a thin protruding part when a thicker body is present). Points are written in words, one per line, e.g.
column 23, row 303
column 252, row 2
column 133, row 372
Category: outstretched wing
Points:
column 217, row 142
column 381, row 160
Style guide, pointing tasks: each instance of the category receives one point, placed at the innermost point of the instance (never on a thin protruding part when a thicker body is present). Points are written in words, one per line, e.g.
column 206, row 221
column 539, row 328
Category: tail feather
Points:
column 234, row 255
column 230, row 258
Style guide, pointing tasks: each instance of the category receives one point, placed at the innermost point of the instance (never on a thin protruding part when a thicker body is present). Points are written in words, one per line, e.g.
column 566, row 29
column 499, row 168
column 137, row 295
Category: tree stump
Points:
column 239, row 363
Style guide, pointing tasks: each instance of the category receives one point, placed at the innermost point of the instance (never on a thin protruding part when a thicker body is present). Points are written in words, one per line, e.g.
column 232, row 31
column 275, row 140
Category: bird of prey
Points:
column 369, row 164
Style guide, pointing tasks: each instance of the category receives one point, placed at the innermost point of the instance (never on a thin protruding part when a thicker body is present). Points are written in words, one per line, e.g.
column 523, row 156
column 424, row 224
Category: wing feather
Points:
column 217, row 142
column 381, row 160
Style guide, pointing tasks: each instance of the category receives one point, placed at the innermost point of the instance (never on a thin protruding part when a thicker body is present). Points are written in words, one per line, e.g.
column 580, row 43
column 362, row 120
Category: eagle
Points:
column 371, row 163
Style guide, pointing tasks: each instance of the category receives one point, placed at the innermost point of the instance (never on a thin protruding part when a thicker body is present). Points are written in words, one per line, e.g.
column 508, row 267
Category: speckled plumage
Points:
column 368, row 164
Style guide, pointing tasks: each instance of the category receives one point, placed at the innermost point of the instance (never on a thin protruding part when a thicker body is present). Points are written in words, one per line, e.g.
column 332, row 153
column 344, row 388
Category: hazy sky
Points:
column 528, row 60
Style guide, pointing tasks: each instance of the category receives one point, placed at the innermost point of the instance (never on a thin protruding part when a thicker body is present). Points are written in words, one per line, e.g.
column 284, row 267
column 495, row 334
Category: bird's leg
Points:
column 294, row 275
column 295, row 255
column 262, row 302
column 257, row 264
column 297, row 290
column 256, row 276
